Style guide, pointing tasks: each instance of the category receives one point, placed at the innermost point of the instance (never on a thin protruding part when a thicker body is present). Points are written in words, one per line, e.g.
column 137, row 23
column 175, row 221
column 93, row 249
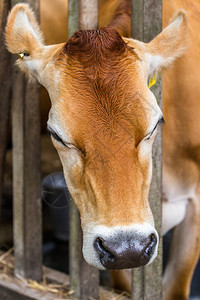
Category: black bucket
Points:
column 56, row 196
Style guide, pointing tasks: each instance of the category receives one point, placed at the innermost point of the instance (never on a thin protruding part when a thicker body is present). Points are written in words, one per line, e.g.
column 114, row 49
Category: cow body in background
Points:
column 181, row 156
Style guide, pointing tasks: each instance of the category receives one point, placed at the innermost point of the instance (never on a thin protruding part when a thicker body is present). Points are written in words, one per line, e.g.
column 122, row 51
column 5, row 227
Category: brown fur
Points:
column 102, row 78
column 95, row 44
column 99, row 85
column 97, row 50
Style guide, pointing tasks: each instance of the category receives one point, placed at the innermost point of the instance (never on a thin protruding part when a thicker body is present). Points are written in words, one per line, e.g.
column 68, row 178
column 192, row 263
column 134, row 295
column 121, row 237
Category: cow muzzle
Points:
column 125, row 252
column 121, row 247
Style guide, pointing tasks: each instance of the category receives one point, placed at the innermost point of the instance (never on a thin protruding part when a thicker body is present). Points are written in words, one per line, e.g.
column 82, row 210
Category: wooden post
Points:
column 4, row 90
column 146, row 24
column 84, row 279
column 26, row 173
column 88, row 14
column 73, row 16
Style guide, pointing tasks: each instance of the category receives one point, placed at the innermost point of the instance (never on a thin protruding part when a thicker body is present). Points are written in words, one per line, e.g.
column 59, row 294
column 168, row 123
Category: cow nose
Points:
column 125, row 252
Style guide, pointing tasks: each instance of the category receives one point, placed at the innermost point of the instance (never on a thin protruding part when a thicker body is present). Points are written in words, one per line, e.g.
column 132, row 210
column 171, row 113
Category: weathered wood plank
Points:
column 137, row 283
column 146, row 24
column 5, row 84
column 153, row 272
column 73, row 16
column 88, row 19
column 26, row 174
column 74, row 250
column 84, row 279
column 137, row 24
column 152, row 19
column 55, row 276
column 75, row 235
column 14, row 289
column 89, row 281
column 88, row 14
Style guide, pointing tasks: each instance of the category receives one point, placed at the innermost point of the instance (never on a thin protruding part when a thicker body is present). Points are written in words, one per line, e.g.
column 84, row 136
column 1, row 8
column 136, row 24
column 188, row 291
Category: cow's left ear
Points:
column 168, row 45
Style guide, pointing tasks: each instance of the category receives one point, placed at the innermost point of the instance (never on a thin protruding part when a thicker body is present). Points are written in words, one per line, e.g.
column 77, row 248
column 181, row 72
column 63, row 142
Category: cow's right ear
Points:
column 23, row 37
column 22, row 34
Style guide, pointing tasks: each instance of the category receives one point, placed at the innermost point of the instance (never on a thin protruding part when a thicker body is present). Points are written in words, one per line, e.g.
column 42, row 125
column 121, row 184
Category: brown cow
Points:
column 103, row 128
column 181, row 157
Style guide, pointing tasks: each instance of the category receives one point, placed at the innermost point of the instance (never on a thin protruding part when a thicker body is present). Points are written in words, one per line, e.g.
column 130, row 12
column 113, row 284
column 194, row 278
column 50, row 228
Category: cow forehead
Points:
column 83, row 119
column 102, row 90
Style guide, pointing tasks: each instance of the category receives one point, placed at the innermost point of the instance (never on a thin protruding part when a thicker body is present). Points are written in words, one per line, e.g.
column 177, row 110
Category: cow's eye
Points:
column 56, row 137
column 148, row 136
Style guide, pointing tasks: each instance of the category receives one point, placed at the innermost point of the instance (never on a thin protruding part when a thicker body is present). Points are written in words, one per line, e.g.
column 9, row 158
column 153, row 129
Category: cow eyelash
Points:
column 58, row 139
column 161, row 121
column 151, row 133
column 56, row 136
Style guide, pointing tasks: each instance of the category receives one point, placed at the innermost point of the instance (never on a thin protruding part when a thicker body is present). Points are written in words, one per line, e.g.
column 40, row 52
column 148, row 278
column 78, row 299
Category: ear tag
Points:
column 21, row 55
column 152, row 81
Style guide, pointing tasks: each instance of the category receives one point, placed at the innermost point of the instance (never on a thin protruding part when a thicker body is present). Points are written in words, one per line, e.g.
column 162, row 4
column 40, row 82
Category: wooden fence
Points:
column 146, row 282
column 146, row 24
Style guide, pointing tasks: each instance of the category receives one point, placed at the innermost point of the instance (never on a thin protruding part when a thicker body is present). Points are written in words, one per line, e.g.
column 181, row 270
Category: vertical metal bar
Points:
column 84, row 279
column 146, row 24
column 26, row 173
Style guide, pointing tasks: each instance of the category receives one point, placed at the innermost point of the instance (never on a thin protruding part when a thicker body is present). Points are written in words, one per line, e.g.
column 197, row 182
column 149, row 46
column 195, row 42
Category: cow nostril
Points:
column 151, row 244
column 126, row 251
column 104, row 252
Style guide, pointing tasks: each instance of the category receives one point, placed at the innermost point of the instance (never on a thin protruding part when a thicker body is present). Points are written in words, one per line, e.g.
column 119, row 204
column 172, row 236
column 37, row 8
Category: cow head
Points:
column 103, row 122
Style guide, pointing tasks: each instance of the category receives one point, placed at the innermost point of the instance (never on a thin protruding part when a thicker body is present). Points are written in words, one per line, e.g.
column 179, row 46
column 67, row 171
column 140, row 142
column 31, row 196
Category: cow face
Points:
column 103, row 122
